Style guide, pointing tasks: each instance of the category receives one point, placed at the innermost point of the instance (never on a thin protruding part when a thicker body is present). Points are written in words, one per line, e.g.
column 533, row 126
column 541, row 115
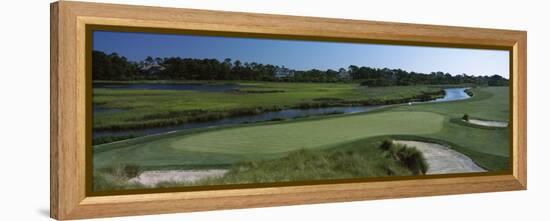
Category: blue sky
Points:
column 304, row 55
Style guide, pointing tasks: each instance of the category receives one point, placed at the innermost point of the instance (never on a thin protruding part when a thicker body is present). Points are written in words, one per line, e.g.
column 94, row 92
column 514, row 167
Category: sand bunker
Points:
column 488, row 123
column 151, row 178
column 442, row 159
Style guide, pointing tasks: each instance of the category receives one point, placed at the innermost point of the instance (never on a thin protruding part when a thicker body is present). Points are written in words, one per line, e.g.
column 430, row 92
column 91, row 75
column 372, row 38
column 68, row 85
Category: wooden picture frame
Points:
column 69, row 198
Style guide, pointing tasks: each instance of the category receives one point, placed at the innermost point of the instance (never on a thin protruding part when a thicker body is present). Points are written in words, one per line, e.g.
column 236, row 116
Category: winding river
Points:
column 451, row 94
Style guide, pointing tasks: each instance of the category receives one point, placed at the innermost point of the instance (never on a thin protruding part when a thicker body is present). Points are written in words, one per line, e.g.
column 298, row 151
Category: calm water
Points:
column 451, row 94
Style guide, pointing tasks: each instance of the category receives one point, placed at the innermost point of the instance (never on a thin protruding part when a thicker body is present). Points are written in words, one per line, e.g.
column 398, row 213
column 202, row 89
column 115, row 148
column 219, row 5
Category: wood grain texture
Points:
column 520, row 102
column 54, row 95
column 68, row 111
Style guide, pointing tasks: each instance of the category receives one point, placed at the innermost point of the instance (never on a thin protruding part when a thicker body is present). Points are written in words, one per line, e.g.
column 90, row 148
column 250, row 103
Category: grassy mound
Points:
column 359, row 159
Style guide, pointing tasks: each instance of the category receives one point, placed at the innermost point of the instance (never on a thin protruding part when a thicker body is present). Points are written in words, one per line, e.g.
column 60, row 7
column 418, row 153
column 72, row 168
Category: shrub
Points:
column 413, row 159
column 131, row 171
column 409, row 157
column 386, row 145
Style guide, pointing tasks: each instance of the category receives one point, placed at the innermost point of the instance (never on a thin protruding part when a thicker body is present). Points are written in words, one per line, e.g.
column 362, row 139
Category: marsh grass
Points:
column 110, row 139
column 159, row 108
column 488, row 148
column 359, row 159
column 409, row 157
column 116, row 178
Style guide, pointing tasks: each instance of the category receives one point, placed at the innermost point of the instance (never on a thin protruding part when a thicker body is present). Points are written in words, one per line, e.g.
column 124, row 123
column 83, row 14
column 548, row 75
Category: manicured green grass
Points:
column 278, row 138
column 488, row 103
column 266, row 142
column 148, row 108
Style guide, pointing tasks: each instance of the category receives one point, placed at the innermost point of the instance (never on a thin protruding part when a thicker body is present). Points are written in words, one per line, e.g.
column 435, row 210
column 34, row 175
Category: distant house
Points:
column 344, row 74
column 283, row 72
column 152, row 68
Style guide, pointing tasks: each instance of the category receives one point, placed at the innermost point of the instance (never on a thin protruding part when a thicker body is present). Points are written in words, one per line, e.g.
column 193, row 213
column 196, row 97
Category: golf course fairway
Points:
column 277, row 138
column 267, row 141
column 224, row 146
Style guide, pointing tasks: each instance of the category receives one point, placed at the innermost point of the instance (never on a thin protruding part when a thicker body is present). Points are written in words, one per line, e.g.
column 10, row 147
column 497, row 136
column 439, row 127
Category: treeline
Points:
column 390, row 77
column 115, row 67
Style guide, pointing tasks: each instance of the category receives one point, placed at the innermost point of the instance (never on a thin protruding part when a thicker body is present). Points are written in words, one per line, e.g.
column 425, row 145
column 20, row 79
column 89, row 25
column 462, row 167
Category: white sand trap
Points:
column 488, row 123
column 442, row 159
column 153, row 177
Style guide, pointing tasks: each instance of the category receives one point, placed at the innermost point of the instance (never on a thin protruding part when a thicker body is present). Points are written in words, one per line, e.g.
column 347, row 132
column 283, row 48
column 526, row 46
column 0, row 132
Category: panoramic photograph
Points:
column 182, row 110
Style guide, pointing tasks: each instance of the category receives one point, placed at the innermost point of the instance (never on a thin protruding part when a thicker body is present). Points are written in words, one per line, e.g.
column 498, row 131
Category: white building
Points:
column 152, row 68
column 344, row 74
column 283, row 72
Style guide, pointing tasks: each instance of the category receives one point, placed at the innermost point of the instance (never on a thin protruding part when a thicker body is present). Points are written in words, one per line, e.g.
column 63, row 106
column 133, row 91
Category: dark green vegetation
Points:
column 469, row 92
column 363, row 158
column 156, row 108
column 115, row 67
column 409, row 157
column 110, row 139
column 263, row 148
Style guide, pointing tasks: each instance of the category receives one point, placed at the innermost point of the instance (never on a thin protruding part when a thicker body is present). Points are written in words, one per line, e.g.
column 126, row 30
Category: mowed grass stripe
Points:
column 279, row 138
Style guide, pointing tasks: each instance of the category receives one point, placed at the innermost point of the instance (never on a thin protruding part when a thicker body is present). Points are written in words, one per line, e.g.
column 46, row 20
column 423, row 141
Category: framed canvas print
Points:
column 160, row 110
